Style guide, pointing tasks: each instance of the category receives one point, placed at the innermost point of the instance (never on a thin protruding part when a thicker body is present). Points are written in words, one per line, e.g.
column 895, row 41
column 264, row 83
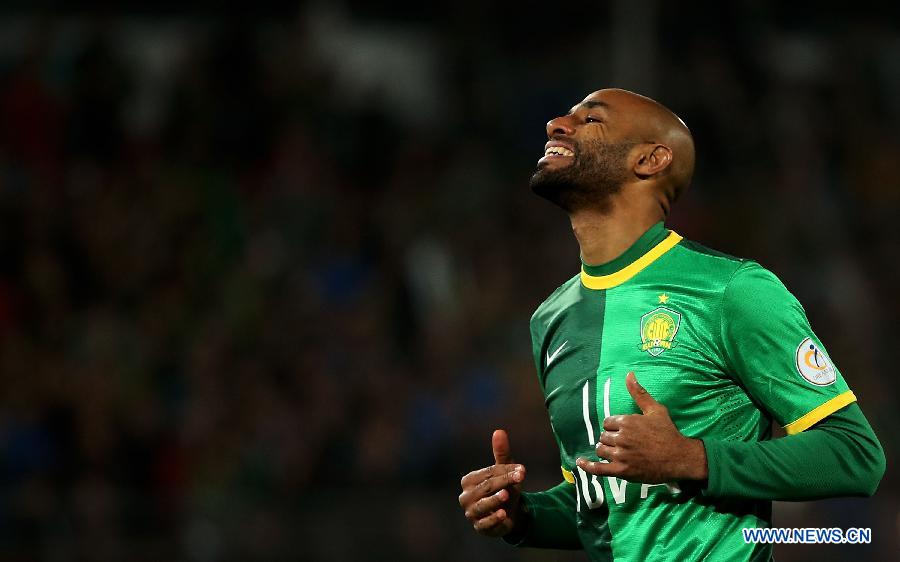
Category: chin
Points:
column 549, row 179
column 546, row 186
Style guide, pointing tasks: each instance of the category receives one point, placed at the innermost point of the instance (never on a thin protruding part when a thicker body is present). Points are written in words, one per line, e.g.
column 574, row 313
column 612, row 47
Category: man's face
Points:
column 586, row 159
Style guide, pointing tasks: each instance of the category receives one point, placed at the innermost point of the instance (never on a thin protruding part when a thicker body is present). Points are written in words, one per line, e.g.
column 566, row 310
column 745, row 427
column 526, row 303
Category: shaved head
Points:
column 612, row 139
column 655, row 123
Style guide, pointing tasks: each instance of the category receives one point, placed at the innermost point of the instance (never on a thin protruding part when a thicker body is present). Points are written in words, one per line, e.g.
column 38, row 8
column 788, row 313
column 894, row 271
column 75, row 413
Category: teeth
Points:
column 559, row 151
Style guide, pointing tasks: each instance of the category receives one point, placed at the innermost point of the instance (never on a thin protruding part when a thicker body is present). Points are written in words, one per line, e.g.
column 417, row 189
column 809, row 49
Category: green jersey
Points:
column 720, row 342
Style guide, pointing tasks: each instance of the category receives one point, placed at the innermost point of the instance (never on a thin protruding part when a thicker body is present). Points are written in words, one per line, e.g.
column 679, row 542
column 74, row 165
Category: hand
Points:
column 490, row 496
column 646, row 447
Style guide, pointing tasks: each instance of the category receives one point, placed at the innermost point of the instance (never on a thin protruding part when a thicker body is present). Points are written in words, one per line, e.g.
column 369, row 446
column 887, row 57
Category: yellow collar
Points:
column 632, row 269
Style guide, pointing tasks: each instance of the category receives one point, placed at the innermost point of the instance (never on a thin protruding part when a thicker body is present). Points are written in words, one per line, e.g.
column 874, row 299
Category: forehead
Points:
column 613, row 99
column 595, row 100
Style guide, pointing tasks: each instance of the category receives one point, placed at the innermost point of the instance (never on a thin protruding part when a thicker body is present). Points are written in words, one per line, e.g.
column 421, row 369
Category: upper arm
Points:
column 771, row 350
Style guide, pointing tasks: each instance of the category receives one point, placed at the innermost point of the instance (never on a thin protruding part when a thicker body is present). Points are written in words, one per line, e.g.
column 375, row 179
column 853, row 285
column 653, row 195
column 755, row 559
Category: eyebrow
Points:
column 589, row 104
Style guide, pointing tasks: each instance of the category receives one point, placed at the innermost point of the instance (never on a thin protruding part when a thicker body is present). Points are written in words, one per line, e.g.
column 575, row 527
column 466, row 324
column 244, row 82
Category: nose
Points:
column 559, row 126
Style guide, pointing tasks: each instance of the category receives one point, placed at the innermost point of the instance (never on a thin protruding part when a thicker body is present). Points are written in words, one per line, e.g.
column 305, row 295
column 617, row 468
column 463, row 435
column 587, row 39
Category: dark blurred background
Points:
column 266, row 276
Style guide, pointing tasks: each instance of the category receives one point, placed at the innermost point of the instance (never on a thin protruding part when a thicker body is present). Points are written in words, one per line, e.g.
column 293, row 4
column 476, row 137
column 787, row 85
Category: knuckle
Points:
column 477, row 509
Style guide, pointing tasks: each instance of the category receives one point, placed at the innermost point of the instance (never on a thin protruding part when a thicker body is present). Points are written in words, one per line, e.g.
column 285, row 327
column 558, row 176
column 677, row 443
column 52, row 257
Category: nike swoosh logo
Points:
column 559, row 349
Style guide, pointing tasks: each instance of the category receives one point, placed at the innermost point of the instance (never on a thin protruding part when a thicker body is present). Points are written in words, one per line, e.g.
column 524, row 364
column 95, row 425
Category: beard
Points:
column 594, row 176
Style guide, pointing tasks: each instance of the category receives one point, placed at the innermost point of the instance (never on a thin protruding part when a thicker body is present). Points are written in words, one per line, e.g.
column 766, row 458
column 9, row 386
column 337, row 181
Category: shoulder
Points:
column 753, row 287
column 742, row 283
column 703, row 269
column 708, row 261
column 563, row 297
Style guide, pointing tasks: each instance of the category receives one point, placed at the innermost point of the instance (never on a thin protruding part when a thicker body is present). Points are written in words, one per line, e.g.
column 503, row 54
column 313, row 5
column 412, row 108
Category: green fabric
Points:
column 840, row 456
column 760, row 321
column 716, row 339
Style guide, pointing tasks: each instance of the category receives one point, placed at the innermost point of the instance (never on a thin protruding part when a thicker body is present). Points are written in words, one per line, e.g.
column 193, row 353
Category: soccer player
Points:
column 663, row 366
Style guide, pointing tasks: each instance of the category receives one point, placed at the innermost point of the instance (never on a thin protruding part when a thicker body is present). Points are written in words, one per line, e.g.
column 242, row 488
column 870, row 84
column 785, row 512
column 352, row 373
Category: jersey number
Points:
column 581, row 483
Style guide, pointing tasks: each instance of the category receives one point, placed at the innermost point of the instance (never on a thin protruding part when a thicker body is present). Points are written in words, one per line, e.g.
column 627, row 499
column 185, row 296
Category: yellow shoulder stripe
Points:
column 632, row 269
column 569, row 477
column 820, row 413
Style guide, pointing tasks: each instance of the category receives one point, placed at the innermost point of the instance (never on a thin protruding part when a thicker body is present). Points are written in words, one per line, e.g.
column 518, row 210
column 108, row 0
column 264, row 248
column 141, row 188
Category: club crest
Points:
column 658, row 329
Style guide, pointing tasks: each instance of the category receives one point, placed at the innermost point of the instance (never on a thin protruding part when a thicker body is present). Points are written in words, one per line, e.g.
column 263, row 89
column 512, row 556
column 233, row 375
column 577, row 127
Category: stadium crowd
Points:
column 260, row 299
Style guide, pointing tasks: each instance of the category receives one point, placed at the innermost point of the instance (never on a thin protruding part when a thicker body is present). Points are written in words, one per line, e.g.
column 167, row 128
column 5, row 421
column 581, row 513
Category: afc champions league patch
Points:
column 658, row 329
column 813, row 365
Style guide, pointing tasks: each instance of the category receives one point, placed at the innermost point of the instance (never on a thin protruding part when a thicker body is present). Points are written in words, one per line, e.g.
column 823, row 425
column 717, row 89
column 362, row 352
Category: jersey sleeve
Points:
column 840, row 456
column 537, row 338
column 770, row 348
column 549, row 521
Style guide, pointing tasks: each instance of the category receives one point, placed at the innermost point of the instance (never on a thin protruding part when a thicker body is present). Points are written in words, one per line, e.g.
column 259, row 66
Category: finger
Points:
column 500, row 445
column 640, row 395
column 485, row 506
column 482, row 474
column 495, row 523
column 599, row 468
column 612, row 423
column 605, row 451
column 608, row 438
column 492, row 485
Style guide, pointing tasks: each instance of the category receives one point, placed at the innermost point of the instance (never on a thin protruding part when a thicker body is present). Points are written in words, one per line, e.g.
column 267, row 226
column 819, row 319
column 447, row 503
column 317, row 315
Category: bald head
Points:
column 612, row 139
column 643, row 120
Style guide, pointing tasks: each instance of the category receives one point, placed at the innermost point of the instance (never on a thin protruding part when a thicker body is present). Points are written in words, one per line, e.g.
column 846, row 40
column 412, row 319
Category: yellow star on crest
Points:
column 663, row 298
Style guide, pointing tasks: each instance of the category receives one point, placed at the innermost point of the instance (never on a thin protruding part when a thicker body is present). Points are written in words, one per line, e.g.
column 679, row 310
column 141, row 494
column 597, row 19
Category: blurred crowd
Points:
column 265, row 285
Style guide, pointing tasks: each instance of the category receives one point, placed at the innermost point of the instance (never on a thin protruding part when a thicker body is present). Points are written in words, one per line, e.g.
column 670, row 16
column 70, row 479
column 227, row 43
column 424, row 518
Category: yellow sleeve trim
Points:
column 820, row 413
column 570, row 478
column 608, row 281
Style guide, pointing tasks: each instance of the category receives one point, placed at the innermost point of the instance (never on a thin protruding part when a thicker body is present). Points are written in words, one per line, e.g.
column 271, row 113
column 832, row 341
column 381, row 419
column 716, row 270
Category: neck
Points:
column 605, row 235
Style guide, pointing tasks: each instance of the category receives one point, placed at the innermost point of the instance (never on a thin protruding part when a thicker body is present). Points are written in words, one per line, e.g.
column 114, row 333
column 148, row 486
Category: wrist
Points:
column 521, row 519
column 695, row 465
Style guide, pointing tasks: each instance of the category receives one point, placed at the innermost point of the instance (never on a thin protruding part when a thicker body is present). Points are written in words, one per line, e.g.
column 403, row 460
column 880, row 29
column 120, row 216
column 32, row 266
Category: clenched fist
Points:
column 491, row 495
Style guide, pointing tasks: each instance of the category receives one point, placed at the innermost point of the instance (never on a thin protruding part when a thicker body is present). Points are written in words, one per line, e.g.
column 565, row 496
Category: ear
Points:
column 651, row 163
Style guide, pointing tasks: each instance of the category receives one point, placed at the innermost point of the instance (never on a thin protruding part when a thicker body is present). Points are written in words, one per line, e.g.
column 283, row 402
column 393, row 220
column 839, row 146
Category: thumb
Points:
column 640, row 395
column 500, row 445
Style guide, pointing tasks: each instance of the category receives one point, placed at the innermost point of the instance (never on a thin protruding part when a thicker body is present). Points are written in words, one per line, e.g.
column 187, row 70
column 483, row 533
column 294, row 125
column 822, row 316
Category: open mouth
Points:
column 558, row 151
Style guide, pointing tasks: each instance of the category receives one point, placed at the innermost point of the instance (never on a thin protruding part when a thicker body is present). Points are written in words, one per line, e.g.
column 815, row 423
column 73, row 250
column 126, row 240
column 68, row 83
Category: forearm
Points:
column 838, row 457
column 548, row 520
